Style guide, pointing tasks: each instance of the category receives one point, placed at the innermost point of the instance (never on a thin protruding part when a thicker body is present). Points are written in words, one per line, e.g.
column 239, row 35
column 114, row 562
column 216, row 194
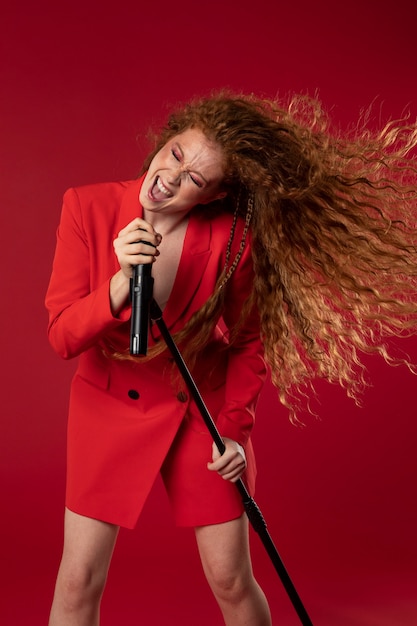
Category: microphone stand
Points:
column 252, row 510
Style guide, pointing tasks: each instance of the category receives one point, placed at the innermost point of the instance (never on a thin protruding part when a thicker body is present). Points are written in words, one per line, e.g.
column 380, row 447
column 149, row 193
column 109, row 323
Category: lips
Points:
column 159, row 192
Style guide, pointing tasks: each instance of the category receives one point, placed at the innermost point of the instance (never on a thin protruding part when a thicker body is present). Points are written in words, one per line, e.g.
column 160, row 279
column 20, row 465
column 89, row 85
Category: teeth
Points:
column 162, row 187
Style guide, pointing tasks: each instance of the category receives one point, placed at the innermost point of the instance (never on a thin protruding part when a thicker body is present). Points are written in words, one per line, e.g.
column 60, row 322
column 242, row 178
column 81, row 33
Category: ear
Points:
column 221, row 195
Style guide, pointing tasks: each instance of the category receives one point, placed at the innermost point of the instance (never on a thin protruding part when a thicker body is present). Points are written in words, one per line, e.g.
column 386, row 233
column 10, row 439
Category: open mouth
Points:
column 159, row 191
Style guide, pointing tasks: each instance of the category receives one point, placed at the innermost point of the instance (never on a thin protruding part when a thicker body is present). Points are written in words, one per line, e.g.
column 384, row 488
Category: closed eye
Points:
column 195, row 181
column 178, row 157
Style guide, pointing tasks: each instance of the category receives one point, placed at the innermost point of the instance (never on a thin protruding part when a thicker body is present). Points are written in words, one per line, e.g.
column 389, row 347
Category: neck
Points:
column 166, row 224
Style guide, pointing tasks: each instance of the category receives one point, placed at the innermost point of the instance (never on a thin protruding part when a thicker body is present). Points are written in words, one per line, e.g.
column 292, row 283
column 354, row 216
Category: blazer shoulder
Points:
column 96, row 204
column 98, row 191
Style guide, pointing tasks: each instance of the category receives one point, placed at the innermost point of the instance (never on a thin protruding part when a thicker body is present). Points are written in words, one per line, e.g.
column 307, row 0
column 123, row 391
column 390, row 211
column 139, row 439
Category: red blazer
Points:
column 124, row 416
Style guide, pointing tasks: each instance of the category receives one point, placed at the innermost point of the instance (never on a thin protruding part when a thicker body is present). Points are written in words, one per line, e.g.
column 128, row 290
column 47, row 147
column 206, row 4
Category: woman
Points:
column 270, row 237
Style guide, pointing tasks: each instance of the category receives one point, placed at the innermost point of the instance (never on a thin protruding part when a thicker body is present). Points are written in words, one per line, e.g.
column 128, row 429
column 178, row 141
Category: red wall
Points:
column 79, row 84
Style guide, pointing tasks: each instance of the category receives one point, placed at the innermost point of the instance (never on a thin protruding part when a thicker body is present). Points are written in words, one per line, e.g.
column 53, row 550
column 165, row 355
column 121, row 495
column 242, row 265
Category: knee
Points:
column 230, row 586
column 79, row 587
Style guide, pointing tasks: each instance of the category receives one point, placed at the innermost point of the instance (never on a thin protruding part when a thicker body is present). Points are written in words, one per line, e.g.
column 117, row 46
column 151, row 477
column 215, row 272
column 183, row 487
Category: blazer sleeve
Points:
column 246, row 370
column 79, row 314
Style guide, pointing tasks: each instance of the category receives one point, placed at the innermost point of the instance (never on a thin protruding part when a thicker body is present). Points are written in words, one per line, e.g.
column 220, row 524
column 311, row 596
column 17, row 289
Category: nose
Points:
column 175, row 175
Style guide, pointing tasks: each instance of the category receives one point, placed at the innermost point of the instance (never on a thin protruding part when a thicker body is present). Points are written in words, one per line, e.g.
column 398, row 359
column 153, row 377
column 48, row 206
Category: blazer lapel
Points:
column 194, row 258
column 130, row 206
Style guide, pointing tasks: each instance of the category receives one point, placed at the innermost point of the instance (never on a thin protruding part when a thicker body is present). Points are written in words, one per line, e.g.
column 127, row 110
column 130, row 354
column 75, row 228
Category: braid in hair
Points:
column 248, row 218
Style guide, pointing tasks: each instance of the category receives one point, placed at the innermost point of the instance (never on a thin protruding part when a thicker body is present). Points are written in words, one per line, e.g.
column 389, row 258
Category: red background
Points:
column 79, row 84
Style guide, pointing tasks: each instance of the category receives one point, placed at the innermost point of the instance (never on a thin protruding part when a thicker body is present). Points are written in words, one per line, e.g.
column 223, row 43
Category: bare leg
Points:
column 224, row 552
column 88, row 548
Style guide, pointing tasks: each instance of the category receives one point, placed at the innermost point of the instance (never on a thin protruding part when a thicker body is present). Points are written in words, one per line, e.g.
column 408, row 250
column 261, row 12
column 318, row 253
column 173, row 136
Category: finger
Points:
column 233, row 476
column 231, row 472
column 140, row 230
column 141, row 248
column 227, row 463
column 135, row 253
column 141, row 236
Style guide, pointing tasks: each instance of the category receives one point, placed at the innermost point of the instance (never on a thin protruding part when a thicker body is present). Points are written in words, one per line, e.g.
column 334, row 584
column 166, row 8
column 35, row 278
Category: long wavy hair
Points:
column 333, row 222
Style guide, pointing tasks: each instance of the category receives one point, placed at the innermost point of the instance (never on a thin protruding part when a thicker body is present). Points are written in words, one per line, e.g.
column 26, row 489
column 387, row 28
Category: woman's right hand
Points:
column 136, row 244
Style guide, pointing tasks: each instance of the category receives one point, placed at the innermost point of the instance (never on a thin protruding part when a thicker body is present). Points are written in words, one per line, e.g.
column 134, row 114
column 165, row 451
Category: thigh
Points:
column 88, row 543
column 224, row 548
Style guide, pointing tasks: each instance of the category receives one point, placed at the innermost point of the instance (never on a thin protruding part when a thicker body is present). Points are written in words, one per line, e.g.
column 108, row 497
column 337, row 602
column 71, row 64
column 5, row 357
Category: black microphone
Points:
column 141, row 289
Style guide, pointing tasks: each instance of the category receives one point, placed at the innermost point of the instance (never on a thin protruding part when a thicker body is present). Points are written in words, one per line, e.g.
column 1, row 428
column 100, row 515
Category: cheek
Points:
column 209, row 196
column 194, row 194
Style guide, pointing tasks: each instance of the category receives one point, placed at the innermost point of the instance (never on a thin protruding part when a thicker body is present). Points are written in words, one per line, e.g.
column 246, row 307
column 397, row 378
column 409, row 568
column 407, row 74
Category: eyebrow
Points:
column 177, row 145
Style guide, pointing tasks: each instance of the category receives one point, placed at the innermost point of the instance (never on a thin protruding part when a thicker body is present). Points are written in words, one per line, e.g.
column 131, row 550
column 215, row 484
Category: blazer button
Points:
column 133, row 394
column 182, row 396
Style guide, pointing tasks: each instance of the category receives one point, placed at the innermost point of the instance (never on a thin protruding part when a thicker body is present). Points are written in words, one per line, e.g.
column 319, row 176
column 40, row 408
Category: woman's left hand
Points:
column 232, row 463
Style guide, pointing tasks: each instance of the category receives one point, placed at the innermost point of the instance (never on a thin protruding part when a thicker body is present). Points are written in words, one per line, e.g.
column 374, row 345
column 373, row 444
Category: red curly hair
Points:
column 333, row 221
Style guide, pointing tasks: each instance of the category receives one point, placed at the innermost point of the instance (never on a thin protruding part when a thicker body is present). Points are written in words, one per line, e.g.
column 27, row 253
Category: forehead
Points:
column 195, row 136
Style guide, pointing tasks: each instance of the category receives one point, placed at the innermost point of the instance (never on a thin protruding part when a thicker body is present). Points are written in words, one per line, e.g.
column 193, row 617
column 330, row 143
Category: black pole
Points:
column 252, row 510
